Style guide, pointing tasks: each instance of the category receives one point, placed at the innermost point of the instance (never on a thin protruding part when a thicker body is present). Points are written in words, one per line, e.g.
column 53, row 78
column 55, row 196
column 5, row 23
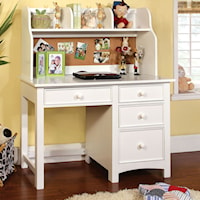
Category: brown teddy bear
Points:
column 184, row 83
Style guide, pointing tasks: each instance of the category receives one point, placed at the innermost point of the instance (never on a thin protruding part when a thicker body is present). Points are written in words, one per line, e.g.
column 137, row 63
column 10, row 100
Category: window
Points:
column 187, row 41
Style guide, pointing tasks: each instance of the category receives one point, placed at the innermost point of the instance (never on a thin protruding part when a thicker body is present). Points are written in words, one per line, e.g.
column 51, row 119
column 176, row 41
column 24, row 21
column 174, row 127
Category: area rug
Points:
column 126, row 194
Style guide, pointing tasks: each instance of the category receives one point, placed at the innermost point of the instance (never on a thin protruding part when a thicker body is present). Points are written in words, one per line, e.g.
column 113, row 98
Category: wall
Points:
column 70, row 122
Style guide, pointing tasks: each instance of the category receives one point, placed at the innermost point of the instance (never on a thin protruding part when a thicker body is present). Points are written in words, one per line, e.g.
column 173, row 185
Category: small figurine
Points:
column 138, row 56
column 125, row 52
column 123, row 65
column 100, row 15
column 57, row 15
column 120, row 10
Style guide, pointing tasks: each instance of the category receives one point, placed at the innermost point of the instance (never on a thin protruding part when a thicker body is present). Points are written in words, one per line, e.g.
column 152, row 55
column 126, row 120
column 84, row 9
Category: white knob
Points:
column 78, row 96
column 141, row 94
column 141, row 116
column 141, row 146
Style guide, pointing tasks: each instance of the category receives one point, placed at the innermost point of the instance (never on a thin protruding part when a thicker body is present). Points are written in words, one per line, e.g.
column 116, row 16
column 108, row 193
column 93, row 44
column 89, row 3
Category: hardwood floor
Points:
column 65, row 179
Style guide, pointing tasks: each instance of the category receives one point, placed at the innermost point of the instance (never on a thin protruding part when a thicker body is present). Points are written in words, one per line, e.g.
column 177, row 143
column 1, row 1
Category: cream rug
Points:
column 127, row 194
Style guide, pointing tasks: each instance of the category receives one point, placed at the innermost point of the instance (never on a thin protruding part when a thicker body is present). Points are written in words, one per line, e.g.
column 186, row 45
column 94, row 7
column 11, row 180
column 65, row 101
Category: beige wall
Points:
column 71, row 121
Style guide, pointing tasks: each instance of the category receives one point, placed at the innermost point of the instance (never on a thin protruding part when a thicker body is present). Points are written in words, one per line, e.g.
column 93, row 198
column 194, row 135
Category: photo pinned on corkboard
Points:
column 101, row 57
column 81, row 50
column 102, row 44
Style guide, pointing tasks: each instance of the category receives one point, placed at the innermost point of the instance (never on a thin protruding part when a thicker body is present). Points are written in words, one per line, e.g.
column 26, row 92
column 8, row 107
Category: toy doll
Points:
column 120, row 10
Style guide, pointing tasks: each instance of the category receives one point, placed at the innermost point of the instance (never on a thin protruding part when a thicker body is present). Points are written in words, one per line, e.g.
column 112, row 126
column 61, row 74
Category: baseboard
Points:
column 56, row 153
column 76, row 152
column 185, row 143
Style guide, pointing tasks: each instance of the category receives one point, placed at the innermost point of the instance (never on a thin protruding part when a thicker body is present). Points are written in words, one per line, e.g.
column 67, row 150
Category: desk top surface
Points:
column 71, row 81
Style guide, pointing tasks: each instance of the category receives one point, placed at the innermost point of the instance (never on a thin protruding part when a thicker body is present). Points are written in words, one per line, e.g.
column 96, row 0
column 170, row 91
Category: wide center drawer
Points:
column 140, row 93
column 80, row 96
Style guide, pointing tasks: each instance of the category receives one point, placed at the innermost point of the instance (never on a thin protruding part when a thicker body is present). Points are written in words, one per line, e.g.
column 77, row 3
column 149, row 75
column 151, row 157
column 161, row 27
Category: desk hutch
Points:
column 127, row 120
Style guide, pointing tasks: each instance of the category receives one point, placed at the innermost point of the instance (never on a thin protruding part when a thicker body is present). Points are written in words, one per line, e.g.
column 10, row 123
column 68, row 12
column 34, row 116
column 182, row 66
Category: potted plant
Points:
column 40, row 19
column 3, row 28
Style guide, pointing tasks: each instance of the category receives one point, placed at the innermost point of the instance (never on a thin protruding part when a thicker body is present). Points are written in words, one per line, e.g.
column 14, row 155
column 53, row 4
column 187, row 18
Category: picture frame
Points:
column 55, row 64
column 40, row 64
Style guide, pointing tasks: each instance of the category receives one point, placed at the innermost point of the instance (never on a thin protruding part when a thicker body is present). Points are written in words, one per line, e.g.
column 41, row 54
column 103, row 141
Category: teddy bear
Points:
column 184, row 83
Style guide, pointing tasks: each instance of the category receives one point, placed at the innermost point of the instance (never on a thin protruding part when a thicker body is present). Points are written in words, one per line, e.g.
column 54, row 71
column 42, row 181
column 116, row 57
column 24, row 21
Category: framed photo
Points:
column 40, row 64
column 55, row 64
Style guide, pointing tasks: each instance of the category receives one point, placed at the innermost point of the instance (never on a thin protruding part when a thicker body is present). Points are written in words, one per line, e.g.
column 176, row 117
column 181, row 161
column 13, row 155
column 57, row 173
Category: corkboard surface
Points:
column 89, row 57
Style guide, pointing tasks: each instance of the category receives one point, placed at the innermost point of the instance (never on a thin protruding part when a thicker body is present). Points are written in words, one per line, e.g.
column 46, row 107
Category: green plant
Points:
column 42, row 12
column 3, row 28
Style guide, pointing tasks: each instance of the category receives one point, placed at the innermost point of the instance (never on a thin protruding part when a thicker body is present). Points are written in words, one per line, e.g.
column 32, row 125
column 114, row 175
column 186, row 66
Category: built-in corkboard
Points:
column 114, row 57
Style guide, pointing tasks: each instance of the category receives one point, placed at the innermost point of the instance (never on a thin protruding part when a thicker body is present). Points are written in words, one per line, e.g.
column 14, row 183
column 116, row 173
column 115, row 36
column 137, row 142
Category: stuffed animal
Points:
column 120, row 9
column 184, row 83
column 160, row 190
column 5, row 135
column 88, row 19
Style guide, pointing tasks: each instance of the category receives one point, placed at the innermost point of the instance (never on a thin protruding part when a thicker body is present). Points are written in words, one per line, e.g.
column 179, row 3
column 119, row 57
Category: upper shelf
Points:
column 140, row 17
column 54, row 33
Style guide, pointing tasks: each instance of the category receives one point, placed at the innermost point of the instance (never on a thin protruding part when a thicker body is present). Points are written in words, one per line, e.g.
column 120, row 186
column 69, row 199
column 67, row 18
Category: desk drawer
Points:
column 141, row 145
column 140, row 93
column 140, row 114
column 82, row 96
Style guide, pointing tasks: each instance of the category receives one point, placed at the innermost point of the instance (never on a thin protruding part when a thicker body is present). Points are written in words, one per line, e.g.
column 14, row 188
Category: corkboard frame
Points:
column 70, row 60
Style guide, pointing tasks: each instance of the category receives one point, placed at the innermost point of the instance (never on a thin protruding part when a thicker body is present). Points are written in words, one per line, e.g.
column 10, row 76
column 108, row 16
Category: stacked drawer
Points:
column 141, row 122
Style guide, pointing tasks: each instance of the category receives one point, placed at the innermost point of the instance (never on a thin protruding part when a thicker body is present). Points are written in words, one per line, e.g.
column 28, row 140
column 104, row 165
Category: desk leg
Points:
column 39, row 139
column 24, row 131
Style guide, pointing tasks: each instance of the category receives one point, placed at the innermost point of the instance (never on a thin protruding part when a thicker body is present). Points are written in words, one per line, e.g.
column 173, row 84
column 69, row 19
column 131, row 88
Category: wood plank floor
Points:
column 65, row 179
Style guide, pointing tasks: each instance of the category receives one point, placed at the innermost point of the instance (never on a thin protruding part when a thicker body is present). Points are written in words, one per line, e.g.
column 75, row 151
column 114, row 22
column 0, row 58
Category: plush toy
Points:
column 88, row 19
column 120, row 9
column 5, row 135
column 164, row 191
column 184, row 83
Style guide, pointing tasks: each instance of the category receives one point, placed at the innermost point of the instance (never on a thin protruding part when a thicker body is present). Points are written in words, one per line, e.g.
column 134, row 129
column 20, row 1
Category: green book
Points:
column 76, row 9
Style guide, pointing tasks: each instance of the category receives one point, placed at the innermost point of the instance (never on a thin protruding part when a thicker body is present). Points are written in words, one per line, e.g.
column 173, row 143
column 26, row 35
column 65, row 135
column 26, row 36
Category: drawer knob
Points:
column 141, row 94
column 140, row 146
column 141, row 116
column 78, row 96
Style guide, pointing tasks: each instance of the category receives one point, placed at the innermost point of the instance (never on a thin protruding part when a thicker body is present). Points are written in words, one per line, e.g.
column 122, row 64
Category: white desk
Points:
column 131, row 115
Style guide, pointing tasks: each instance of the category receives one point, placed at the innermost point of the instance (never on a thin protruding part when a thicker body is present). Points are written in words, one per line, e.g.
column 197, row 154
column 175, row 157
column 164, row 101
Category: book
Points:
column 76, row 10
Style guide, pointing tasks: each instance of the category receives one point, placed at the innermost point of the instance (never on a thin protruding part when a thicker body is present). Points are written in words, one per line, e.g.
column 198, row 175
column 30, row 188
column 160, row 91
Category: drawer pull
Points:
column 141, row 116
column 141, row 94
column 78, row 96
column 141, row 146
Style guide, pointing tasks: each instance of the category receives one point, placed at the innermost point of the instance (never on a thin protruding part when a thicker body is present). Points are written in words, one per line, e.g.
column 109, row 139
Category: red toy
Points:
column 120, row 10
